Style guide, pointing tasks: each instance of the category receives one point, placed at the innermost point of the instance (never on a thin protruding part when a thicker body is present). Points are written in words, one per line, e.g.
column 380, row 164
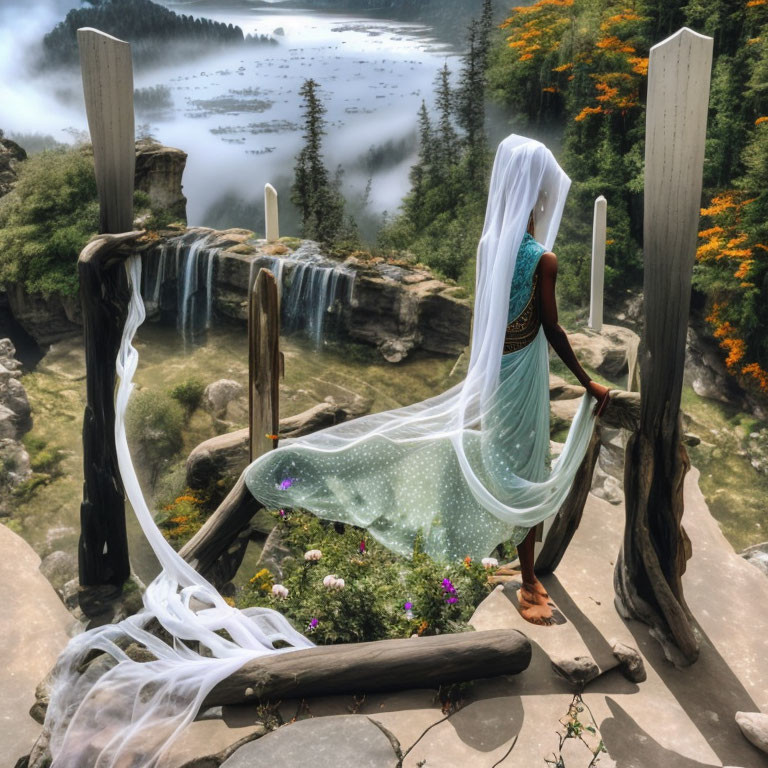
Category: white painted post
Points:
column 598, row 265
column 270, row 213
column 105, row 63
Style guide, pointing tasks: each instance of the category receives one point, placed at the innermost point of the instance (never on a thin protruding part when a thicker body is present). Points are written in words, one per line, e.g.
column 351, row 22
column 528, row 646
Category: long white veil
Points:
column 127, row 713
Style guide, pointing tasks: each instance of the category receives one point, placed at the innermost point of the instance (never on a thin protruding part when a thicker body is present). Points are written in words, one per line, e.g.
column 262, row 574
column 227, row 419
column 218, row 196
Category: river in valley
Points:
column 237, row 111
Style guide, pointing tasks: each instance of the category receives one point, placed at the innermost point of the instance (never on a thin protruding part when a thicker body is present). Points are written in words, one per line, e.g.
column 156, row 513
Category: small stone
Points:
column 754, row 726
column 341, row 741
column 249, row 691
column 578, row 670
column 630, row 661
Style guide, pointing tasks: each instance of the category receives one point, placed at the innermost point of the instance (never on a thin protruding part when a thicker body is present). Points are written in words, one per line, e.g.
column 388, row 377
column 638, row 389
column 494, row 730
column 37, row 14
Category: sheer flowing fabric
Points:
column 466, row 469
column 125, row 713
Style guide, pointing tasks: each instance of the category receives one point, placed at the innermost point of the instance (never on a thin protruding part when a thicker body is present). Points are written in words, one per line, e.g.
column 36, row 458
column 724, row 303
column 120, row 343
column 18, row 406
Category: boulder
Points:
column 341, row 741
column 220, row 399
column 754, row 726
column 59, row 568
column 606, row 352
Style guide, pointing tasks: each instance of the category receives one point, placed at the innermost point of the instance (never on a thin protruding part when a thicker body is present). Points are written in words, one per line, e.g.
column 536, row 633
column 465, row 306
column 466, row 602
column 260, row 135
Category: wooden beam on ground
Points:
column 264, row 364
column 108, row 89
column 649, row 569
column 383, row 665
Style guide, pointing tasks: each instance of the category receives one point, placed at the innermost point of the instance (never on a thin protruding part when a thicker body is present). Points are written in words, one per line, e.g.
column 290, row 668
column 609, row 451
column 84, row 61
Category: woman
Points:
column 465, row 470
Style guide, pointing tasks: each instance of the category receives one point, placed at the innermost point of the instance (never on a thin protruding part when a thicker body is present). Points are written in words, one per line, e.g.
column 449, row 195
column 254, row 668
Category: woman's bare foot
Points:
column 533, row 601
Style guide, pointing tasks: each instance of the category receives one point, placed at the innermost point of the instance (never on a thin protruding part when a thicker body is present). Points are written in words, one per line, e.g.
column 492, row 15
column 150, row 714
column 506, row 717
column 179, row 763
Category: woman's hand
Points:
column 601, row 394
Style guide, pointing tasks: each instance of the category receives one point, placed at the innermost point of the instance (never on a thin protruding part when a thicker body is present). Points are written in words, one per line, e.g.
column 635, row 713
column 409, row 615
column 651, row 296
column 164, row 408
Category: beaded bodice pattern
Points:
column 524, row 320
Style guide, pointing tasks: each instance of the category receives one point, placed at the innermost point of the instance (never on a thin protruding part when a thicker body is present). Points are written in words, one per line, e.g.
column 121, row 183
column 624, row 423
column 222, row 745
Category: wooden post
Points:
column 648, row 574
column 263, row 364
column 107, row 72
column 270, row 213
column 598, row 264
column 108, row 89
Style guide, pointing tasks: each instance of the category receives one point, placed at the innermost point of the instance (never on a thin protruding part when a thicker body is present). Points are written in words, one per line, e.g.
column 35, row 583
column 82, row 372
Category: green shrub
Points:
column 188, row 394
column 154, row 423
column 378, row 585
column 46, row 220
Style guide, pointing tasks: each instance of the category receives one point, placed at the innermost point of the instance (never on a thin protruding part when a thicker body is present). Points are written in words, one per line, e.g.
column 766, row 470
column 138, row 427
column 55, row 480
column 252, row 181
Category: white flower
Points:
column 489, row 562
column 313, row 554
column 331, row 582
column 278, row 590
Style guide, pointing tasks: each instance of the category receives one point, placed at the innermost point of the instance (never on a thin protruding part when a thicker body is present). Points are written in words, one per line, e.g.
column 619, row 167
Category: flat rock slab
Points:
column 346, row 741
column 35, row 628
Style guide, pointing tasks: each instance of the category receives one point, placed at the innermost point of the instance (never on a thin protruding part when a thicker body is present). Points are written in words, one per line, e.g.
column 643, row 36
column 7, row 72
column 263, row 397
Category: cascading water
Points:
column 192, row 260
column 309, row 286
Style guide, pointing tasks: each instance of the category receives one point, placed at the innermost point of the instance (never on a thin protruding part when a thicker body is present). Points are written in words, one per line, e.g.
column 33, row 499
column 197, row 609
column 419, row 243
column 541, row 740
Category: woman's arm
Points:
column 557, row 337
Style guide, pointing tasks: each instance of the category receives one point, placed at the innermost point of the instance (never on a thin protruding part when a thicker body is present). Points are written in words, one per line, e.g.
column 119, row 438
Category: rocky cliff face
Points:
column 394, row 308
column 15, row 421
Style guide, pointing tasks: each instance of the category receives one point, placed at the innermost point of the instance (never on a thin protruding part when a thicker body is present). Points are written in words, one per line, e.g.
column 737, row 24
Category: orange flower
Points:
column 761, row 120
column 586, row 112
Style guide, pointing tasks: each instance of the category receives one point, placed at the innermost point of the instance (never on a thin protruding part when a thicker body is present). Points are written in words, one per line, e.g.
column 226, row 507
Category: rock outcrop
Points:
column 159, row 171
column 11, row 154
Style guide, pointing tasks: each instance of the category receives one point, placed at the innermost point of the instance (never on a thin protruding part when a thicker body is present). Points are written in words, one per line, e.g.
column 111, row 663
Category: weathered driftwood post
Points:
column 108, row 87
column 263, row 364
column 270, row 213
column 648, row 574
column 598, row 264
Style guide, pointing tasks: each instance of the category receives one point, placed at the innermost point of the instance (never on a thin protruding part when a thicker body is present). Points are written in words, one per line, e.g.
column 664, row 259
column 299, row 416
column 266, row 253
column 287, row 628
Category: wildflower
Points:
column 312, row 554
column 362, row 547
column 448, row 586
column 408, row 610
column 281, row 513
column 452, row 599
column 270, row 437
column 313, row 624
column 489, row 562
column 423, row 627
column 278, row 590
column 287, row 483
column 467, row 562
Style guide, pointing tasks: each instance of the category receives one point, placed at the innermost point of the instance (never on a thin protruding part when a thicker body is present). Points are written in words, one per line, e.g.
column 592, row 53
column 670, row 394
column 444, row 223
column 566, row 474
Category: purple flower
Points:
column 282, row 513
column 313, row 623
column 448, row 586
column 452, row 599
column 408, row 606
column 362, row 547
column 287, row 483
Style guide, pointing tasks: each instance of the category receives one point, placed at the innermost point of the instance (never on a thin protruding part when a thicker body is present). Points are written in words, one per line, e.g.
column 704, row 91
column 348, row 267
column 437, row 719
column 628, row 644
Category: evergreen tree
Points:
column 447, row 139
column 470, row 104
column 318, row 200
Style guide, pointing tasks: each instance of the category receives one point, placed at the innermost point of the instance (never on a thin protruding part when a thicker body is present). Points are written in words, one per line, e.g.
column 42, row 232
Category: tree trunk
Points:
column 103, row 545
column 648, row 574
column 383, row 665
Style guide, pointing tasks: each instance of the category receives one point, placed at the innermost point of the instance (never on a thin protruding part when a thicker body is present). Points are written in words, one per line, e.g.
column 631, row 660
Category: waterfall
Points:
column 309, row 286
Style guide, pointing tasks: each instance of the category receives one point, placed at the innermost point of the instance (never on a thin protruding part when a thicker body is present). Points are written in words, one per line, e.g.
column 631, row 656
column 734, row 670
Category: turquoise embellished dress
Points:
column 401, row 490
